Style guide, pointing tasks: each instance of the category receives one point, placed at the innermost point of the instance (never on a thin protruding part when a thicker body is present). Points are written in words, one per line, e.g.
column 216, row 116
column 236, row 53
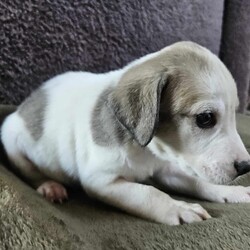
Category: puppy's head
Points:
column 180, row 103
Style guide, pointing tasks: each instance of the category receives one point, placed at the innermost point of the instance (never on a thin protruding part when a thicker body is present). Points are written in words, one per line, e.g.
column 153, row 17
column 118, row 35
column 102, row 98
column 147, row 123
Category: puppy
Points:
column 168, row 116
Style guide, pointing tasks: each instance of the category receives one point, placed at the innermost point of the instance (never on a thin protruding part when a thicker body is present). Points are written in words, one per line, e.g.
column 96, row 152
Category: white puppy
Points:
column 169, row 116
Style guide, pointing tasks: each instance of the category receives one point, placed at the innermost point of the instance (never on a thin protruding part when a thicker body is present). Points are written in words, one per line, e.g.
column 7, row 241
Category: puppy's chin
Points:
column 221, row 180
column 217, row 175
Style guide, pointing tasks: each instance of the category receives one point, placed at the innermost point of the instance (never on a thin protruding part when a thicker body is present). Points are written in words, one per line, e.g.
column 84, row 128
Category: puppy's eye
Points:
column 206, row 120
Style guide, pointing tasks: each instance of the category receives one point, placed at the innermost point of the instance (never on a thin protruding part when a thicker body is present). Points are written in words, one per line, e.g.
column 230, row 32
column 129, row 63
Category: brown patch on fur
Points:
column 136, row 105
column 136, row 100
column 32, row 110
column 106, row 129
column 181, row 94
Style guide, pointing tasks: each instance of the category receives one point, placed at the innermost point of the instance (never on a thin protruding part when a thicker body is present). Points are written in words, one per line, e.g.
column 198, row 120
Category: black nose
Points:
column 242, row 167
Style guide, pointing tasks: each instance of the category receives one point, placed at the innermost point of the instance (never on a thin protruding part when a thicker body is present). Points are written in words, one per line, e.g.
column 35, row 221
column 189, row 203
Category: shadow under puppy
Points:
column 169, row 116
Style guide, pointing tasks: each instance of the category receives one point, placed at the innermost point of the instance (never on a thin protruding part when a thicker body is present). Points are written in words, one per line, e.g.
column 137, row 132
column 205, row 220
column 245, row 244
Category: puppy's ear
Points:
column 136, row 104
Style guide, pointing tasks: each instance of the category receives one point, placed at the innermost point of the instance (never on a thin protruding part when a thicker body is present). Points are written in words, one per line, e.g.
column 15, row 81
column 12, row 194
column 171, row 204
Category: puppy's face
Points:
column 197, row 126
column 185, row 110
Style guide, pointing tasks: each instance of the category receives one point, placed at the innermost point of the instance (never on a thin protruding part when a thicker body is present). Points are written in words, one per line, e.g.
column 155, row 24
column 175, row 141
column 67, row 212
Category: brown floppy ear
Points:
column 136, row 104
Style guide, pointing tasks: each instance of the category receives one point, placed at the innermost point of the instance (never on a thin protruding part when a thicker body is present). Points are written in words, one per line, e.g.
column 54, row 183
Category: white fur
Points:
column 67, row 153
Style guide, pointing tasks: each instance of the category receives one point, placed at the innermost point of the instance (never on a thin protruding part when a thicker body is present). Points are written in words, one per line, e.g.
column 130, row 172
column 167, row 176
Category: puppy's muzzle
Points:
column 242, row 167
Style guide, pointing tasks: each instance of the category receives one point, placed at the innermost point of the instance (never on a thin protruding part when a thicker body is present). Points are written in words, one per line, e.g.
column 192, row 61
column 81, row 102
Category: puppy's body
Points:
column 110, row 131
column 63, row 147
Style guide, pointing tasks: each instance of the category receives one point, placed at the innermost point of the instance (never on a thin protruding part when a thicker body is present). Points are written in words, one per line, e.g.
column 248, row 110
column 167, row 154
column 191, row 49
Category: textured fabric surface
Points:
column 41, row 38
column 27, row 221
column 244, row 128
column 235, row 48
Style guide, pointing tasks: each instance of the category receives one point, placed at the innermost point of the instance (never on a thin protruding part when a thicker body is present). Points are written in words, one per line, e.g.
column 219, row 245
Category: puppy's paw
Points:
column 184, row 212
column 53, row 191
column 233, row 194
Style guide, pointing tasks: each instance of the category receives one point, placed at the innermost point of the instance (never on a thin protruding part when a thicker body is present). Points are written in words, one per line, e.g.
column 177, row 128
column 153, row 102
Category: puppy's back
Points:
column 53, row 123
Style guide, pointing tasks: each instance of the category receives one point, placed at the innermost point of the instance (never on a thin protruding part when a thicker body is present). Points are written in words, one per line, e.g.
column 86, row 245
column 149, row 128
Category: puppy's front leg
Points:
column 142, row 200
column 199, row 188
